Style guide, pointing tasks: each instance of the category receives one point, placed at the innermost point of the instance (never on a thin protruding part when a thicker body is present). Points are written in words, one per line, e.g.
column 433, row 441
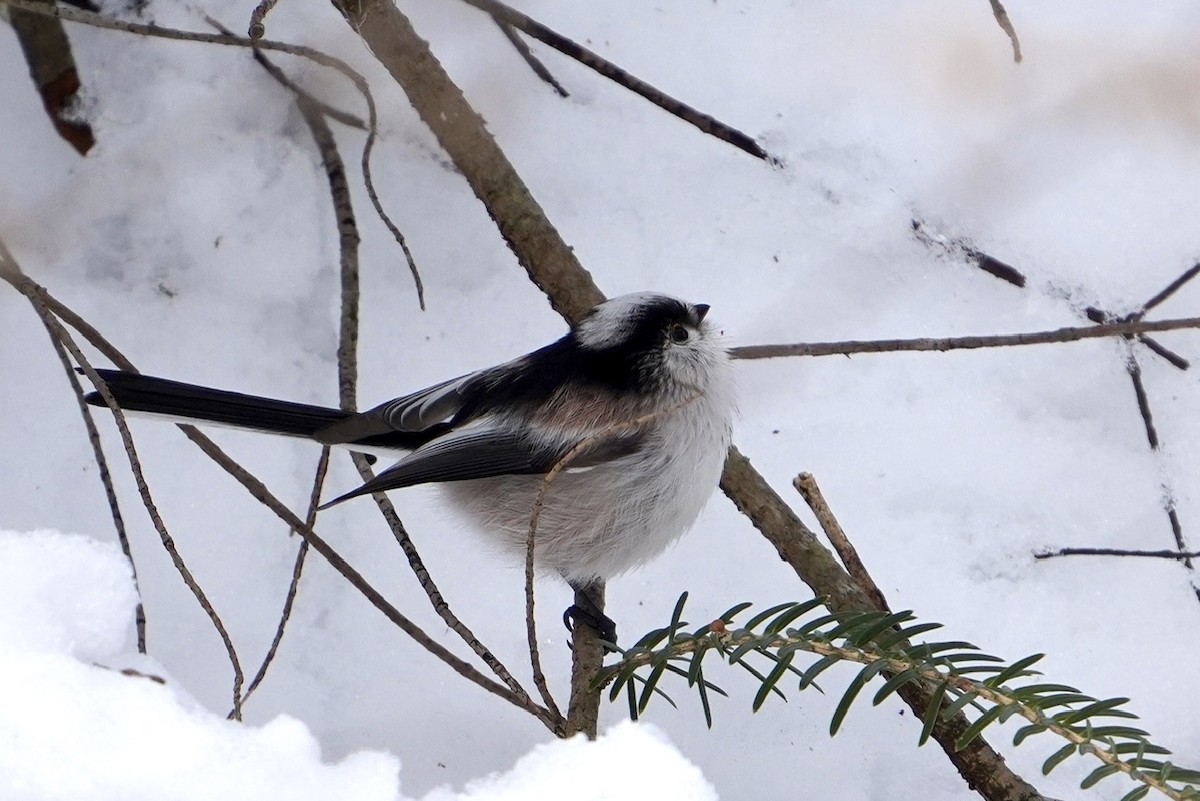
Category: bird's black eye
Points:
column 679, row 333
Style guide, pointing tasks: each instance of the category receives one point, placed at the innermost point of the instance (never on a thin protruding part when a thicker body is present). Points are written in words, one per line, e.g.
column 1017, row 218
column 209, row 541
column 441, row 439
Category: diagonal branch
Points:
column 705, row 122
column 539, row 69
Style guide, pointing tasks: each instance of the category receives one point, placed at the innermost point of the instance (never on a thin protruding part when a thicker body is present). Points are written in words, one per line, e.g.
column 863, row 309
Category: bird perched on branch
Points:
column 616, row 433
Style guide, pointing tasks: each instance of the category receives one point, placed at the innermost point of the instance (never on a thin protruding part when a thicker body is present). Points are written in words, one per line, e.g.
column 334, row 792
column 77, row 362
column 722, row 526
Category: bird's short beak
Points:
column 701, row 309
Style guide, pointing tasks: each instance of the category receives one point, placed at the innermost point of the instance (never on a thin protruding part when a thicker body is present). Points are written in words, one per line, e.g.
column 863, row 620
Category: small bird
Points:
column 620, row 428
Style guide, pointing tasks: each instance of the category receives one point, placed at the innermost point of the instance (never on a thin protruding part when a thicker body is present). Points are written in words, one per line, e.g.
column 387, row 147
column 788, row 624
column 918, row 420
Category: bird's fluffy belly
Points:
column 646, row 502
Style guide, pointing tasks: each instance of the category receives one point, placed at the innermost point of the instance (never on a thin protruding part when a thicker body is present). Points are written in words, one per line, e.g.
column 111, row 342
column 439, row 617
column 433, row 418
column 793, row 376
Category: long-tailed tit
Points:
column 620, row 428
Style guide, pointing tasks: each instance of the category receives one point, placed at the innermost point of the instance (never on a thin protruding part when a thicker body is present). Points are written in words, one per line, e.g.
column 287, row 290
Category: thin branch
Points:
column 1143, row 402
column 1171, row 288
column 706, row 123
column 1170, row 356
column 535, row 64
column 1067, row 334
column 535, row 653
column 1177, row 556
column 961, row 247
column 1006, row 25
column 257, row 28
column 314, row 500
column 806, row 485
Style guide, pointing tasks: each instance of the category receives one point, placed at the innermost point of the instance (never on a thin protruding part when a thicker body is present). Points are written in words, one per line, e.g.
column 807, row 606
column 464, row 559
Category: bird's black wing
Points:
column 486, row 451
column 416, row 412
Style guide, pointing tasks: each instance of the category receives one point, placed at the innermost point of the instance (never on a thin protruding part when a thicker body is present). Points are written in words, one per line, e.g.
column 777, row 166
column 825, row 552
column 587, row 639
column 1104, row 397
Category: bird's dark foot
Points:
column 602, row 623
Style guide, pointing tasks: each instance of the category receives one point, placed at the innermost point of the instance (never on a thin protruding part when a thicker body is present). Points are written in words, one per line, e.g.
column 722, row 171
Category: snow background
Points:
column 198, row 236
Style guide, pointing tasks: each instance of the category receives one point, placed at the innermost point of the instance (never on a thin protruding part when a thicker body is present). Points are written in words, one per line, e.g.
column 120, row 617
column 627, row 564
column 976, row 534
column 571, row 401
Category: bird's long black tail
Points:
column 143, row 393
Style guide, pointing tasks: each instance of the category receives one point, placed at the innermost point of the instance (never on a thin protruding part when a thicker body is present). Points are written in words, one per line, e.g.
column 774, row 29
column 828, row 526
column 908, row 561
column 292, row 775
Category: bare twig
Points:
column 535, row 653
column 1067, row 334
column 258, row 29
column 1170, row 289
column 1168, row 355
column 539, row 69
column 314, row 500
column 1178, row 556
column 706, row 123
column 1143, row 402
column 391, row 226
column 1006, row 25
column 806, row 485
column 961, row 247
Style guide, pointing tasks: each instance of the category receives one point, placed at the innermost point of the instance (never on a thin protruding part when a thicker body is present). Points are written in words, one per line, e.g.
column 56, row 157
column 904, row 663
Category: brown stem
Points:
column 535, row 64
column 806, row 485
column 708, row 124
column 1006, row 25
column 314, row 500
column 1067, row 334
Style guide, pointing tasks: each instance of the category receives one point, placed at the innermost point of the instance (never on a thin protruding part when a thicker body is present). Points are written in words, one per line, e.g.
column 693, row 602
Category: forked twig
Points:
column 314, row 500
column 344, row 117
column 535, row 64
column 806, row 485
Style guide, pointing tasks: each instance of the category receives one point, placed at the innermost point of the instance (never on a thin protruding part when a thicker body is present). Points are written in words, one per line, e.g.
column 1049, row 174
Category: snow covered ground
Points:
column 198, row 236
